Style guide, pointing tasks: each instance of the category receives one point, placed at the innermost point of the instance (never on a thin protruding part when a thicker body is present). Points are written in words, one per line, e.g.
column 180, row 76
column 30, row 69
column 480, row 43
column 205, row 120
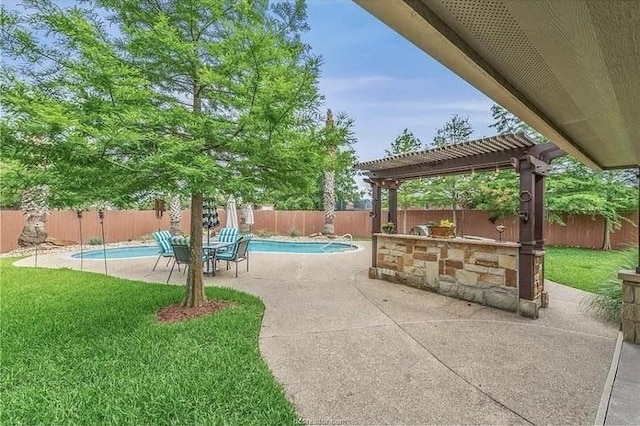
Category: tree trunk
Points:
column 329, row 203
column 329, row 189
column 175, row 213
column 35, row 208
column 195, row 296
column 606, row 240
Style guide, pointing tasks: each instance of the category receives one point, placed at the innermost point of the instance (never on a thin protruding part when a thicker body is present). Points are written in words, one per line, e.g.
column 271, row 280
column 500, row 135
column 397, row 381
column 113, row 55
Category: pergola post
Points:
column 527, row 229
column 392, row 216
column 538, row 211
column 376, row 219
column 532, row 169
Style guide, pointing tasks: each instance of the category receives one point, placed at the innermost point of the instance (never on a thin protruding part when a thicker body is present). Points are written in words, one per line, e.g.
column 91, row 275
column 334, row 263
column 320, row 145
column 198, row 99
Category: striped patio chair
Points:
column 239, row 254
column 164, row 246
column 228, row 235
column 164, row 234
column 179, row 241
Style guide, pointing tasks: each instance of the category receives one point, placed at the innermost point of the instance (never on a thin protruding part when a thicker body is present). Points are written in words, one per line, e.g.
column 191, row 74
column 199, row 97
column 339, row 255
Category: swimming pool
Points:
column 259, row 246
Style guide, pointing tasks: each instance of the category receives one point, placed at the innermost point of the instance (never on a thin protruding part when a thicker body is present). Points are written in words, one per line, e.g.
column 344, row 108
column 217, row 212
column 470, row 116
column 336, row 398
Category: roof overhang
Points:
column 567, row 68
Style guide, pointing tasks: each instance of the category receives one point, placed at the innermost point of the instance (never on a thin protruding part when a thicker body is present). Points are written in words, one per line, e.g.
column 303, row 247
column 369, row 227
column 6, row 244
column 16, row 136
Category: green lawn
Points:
column 583, row 268
column 83, row 348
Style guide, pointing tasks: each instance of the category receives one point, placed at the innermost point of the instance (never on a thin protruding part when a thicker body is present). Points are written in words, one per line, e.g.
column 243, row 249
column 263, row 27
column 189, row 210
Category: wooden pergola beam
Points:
column 477, row 162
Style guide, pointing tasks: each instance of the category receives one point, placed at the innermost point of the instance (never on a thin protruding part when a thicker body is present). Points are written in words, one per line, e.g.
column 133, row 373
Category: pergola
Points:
column 567, row 68
column 531, row 160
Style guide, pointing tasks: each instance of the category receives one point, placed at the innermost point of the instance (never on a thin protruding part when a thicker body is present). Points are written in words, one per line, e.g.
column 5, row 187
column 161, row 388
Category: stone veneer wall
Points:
column 630, row 306
column 484, row 272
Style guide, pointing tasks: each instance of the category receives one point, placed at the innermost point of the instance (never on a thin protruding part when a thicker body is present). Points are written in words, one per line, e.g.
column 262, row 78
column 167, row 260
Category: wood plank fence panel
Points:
column 123, row 225
column 11, row 224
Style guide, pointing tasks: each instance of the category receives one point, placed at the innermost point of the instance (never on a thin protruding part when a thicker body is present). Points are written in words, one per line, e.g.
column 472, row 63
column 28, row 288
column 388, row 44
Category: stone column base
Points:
column 373, row 273
column 530, row 308
column 544, row 299
column 630, row 306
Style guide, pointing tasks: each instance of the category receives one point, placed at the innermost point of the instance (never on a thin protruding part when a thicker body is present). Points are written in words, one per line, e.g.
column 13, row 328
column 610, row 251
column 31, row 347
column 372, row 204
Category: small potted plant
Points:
column 443, row 229
column 388, row 228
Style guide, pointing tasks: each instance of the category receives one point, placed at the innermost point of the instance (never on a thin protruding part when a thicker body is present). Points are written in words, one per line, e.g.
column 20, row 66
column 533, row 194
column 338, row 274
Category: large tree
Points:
column 340, row 140
column 451, row 191
column 144, row 94
column 498, row 192
column 457, row 130
column 572, row 188
column 412, row 192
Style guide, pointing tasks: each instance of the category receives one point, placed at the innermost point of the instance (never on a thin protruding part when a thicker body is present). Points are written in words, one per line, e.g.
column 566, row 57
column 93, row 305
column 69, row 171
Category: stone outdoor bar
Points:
column 480, row 271
column 504, row 275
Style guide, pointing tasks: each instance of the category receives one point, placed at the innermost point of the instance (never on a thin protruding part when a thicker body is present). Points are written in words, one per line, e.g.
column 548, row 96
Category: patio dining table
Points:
column 211, row 249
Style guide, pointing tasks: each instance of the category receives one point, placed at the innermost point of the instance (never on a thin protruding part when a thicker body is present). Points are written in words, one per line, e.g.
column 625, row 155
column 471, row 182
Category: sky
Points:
column 381, row 80
column 384, row 82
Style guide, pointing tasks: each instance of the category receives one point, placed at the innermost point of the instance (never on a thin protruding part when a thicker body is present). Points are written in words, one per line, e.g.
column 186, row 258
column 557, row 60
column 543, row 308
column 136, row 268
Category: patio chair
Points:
column 239, row 253
column 164, row 246
column 183, row 247
column 228, row 235
column 181, row 256
column 164, row 234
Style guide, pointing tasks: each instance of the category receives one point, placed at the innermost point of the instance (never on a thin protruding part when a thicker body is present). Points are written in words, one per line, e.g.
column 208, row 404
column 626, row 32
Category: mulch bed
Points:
column 175, row 313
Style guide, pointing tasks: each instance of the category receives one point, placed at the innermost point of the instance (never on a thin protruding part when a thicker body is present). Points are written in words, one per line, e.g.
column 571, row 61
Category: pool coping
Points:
column 358, row 247
column 69, row 255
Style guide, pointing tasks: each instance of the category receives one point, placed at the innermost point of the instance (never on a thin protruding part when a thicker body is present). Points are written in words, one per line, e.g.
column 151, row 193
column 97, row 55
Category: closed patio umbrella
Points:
column 232, row 214
column 248, row 215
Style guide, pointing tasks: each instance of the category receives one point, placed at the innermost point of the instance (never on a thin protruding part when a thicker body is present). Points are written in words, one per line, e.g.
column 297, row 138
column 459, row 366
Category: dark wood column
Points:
column 532, row 172
column 538, row 211
column 527, row 237
column 393, row 207
column 376, row 220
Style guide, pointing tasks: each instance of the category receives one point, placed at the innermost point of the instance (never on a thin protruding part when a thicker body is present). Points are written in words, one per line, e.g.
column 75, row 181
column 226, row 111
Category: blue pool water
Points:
column 269, row 246
column 264, row 246
column 120, row 253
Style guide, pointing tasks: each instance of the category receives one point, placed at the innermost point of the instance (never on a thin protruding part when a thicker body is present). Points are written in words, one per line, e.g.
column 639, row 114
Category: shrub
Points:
column 264, row 233
column 388, row 227
column 294, row 233
column 606, row 301
column 95, row 241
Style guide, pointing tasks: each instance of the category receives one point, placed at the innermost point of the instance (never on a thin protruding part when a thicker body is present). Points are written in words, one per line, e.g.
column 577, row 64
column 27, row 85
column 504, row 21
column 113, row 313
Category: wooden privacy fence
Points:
column 123, row 225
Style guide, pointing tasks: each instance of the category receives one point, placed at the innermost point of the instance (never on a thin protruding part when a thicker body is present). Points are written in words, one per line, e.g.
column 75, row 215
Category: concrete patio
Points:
column 351, row 350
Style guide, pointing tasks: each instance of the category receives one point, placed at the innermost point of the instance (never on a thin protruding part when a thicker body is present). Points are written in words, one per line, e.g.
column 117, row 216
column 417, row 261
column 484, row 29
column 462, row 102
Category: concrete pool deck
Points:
column 351, row 350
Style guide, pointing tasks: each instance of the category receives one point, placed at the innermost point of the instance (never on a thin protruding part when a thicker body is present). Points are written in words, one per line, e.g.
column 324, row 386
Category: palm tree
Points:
column 175, row 214
column 35, row 207
column 329, row 190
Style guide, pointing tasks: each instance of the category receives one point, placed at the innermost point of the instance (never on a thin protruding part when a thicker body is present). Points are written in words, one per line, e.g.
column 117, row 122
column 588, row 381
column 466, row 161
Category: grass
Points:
column 584, row 269
column 83, row 348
